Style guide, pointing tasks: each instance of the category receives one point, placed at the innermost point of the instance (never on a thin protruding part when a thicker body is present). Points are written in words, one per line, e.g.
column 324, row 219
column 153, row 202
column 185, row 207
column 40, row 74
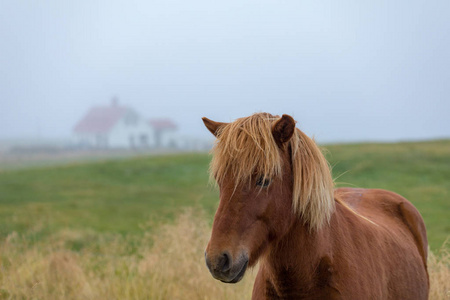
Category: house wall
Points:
column 131, row 131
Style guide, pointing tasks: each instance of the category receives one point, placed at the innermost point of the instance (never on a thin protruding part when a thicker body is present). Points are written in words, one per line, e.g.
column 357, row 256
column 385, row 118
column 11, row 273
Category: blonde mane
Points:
column 246, row 147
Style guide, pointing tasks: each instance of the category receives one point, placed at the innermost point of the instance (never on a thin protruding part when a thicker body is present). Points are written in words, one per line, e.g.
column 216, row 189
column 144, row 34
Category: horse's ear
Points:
column 212, row 126
column 283, row 129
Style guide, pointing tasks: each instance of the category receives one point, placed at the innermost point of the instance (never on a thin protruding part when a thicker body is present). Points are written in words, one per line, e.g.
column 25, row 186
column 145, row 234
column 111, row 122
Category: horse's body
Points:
column 312, row 242
column 379, row 256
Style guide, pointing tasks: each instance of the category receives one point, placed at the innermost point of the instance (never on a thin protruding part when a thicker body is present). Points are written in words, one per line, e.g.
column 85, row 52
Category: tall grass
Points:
column 166, row 264
column 439, row 270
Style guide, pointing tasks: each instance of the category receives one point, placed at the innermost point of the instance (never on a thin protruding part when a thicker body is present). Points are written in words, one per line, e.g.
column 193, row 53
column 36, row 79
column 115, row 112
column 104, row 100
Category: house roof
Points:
column 162, row 124
column 100, row 119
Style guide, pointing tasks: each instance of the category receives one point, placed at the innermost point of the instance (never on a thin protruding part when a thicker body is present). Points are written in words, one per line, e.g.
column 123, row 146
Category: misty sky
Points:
column 346, row 70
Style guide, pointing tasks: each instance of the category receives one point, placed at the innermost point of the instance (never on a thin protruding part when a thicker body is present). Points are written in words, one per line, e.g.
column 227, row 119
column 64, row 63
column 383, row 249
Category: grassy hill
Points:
column 120, row 196
column 137, row 228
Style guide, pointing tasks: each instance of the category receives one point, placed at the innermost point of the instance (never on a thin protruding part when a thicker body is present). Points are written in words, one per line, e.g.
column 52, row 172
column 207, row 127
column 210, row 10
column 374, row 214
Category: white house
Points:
column 114, row 126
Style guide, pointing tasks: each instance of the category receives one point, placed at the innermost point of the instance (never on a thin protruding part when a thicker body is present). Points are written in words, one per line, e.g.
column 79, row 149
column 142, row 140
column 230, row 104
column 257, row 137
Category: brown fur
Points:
column 366, row 244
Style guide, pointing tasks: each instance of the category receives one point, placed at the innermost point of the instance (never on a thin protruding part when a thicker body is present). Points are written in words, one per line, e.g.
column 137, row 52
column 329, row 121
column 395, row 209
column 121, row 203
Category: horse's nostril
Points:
column 225, row 262
column 220, row 264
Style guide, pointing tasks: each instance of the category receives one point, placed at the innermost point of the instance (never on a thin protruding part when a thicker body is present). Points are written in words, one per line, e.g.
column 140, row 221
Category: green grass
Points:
column 113, row 196
column 121, row 196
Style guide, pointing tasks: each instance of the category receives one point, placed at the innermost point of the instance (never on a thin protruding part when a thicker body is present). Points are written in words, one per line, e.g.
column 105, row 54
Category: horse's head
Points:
column 251, row 164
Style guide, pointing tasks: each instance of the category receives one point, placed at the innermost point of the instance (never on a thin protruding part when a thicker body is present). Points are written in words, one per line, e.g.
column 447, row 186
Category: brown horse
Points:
column 278, row 206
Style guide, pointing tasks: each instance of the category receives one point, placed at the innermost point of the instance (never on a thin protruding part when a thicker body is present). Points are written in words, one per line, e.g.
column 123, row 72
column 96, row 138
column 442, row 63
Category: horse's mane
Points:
column 246, row 147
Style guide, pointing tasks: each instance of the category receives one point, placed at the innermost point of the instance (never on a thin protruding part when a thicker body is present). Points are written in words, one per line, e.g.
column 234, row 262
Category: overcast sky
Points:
column 345, row 70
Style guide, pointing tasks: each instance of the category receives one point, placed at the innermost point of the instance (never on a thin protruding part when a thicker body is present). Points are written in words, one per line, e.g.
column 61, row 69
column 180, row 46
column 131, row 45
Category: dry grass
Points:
column 439, row 270
column 166, row 265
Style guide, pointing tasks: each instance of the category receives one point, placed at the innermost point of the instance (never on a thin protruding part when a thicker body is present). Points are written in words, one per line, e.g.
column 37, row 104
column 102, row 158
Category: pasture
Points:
column 136, row 228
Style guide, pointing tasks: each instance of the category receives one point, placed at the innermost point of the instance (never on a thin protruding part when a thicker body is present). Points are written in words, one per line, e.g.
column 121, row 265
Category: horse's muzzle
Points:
column 223, row 268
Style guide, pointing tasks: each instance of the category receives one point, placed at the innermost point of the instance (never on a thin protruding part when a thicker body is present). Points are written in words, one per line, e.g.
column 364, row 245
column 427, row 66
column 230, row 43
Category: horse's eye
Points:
column 264, row 182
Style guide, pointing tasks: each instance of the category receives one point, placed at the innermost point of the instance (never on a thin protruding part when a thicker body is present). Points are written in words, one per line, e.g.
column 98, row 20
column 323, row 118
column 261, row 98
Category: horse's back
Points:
column 397, row 224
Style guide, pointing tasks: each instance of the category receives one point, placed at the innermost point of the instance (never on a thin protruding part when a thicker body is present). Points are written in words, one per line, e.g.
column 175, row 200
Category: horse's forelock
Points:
column 245, row 147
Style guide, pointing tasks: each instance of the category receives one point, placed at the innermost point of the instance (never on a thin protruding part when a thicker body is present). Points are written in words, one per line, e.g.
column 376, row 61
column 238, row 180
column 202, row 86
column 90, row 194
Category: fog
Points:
column 345, row 70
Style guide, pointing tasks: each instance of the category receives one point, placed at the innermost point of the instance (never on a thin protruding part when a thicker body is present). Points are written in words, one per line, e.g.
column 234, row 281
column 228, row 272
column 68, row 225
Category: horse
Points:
column 279, row 208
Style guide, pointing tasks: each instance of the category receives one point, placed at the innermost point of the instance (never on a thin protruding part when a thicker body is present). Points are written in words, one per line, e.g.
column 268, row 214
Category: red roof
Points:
column 100, row 119
column 162, row 124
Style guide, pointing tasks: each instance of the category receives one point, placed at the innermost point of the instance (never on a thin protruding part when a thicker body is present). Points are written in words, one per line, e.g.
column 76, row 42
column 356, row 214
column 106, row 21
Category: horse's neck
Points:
column 300, row 246
column 299, row 262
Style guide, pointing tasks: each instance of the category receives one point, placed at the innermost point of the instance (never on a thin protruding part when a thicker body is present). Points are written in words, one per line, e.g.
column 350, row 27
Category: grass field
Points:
column 114, row 229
